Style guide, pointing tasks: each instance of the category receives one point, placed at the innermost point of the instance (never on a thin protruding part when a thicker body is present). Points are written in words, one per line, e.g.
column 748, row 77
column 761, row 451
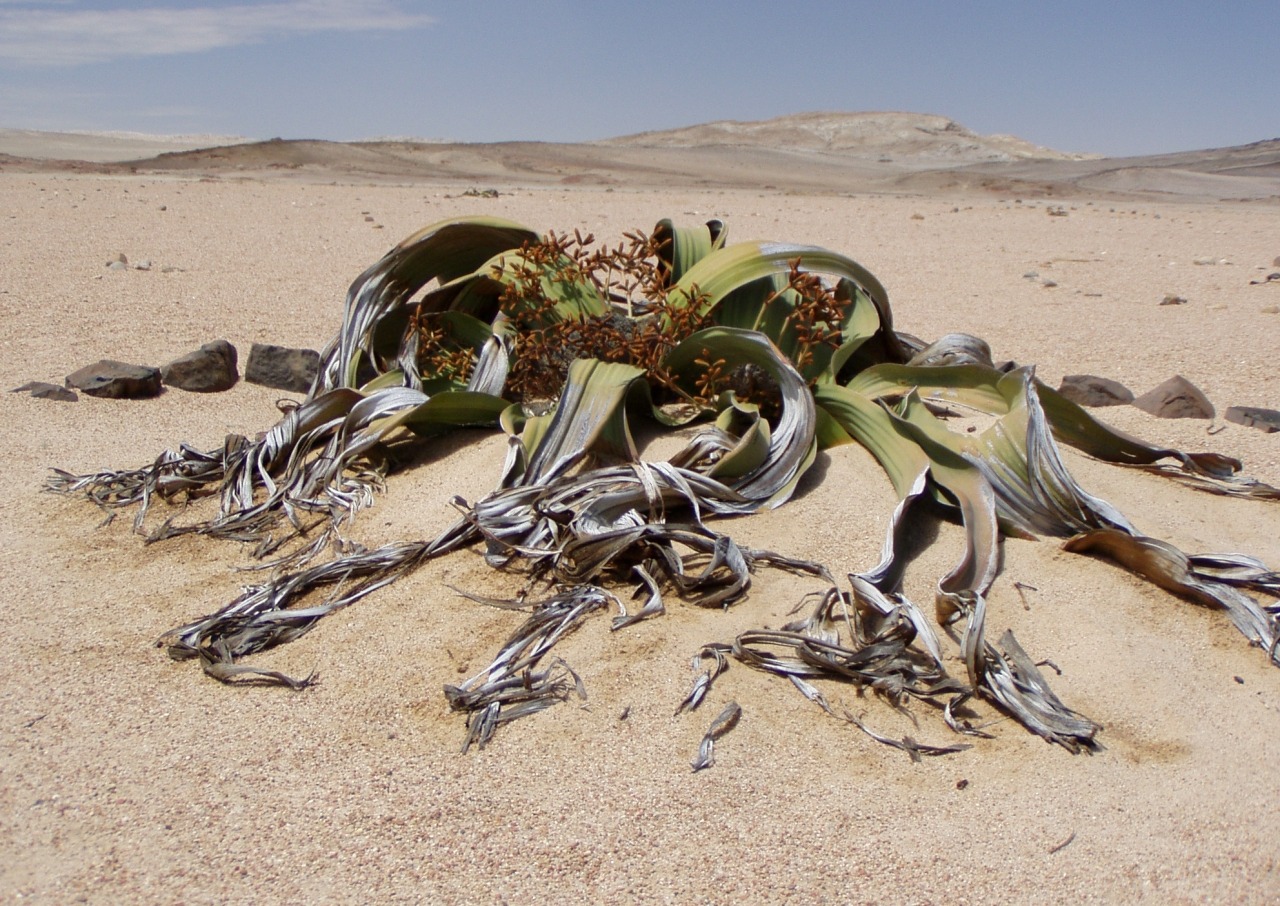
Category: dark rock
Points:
column 210, row 369
column 1267, row 420
column 42, row 390
column 116, row 380
column 1175, row 398
column 1173, row 300
column 281, row 367
column 1091, row 390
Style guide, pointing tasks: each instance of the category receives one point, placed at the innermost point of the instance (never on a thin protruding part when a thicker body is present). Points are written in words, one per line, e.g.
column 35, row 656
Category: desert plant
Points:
column 778, row 350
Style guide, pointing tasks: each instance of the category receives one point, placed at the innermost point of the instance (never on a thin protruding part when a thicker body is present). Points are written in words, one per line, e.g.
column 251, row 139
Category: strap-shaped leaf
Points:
column 995, row 392
column 589, row 418
column 711, row 281
column 681, row 247
column 1199, row 578
column 792, row 443
column 441, row 251
column 454, row 408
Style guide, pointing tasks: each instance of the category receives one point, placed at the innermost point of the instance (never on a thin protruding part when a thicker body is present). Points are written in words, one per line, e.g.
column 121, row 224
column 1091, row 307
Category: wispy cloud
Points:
column 65, row 34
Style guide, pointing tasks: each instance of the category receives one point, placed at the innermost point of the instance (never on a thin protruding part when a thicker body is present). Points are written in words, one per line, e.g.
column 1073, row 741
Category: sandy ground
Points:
column 125, row 777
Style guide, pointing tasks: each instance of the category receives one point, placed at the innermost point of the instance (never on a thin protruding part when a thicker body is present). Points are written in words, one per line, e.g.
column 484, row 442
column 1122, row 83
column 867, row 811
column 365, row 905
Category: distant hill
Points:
column 830, row 153
column 906, row 136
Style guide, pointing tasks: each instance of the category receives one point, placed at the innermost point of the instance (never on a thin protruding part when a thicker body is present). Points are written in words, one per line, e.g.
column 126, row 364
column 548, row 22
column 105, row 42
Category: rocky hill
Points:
column 897, row 136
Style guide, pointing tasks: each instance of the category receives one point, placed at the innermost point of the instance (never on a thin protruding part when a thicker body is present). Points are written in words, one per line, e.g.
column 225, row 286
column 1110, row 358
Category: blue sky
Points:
column 1113, row 78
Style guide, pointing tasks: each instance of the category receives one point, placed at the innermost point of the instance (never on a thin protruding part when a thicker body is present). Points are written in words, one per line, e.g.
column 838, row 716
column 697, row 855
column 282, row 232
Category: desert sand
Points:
column 126, row 777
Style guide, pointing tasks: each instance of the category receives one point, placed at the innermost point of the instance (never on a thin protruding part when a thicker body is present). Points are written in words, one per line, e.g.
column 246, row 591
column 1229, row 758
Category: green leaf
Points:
column 589, row 418
column 869, row 424
column 680, row 248
column 573, row 296
column 743, row 421
column 441, row 252
column 975, row 386
column 792, row 445
column 454, row 408
column 715, row 277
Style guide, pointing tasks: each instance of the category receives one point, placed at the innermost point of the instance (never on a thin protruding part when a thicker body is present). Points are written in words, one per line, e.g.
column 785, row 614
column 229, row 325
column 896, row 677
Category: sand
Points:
column 125, row 777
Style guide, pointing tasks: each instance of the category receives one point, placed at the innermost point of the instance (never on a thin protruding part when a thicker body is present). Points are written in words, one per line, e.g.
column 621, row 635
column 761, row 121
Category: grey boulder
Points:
column 43, row 390
column 1175, row 398
column 210, row 369
column 281, row 367
column 1267, row 420
column 116, row 380
column 1091, row 390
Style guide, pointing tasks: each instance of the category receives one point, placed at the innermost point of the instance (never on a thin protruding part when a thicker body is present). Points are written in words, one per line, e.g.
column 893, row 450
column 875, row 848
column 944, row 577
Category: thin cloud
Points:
column 61, row 36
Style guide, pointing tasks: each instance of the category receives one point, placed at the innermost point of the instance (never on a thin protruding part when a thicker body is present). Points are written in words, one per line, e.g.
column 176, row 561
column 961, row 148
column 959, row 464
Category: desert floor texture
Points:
column 125, row 777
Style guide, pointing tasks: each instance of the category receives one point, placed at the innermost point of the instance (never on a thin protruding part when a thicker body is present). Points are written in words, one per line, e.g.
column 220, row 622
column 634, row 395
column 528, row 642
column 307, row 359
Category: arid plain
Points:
column 126, row 777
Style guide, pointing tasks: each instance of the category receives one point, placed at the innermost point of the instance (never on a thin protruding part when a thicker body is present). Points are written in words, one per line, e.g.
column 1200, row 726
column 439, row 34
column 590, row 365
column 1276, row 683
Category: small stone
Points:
column 210, row 369
column 116, row 380
column 1205, row 261
column 1175, row 398
column 1275, row 262
column 1094, row 391
column 1048, row 284
column 143, row 265
column 1267, row 420
column 281, row 367
column 43, row 390
column 917, row 217
column 119, row 259
column 1271, row 309
column 118, row 266
column 1173, row 300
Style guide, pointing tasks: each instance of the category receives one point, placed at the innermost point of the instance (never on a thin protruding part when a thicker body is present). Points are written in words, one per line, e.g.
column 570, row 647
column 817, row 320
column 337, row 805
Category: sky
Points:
column 1116, row 78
